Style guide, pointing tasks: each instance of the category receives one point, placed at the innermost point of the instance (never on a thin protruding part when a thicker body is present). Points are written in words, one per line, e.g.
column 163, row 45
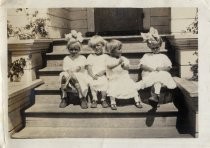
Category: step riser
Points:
column 142, row 122
column 57, row 61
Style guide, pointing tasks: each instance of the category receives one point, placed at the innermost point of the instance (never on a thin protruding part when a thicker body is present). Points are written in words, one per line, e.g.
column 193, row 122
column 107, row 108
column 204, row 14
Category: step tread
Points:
column 68, row 132
column 76, row 109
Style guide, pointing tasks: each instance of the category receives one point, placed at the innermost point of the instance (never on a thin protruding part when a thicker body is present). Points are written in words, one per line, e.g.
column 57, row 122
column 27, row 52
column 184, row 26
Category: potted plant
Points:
column 16, row 70
column 194, row 69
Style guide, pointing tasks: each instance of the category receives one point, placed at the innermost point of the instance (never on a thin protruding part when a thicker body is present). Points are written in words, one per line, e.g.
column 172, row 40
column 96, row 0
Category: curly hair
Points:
column 96, row 39
column 113, row 45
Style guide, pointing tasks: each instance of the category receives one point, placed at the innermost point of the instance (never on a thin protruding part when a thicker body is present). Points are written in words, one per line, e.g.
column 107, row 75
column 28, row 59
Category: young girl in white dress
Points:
column 120, row 86
column 74, row 74
column 97, row 70
column 155, row 67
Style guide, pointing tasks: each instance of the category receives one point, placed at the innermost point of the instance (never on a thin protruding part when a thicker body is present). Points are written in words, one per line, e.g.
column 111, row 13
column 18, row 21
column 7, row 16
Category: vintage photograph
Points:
column 102, row 72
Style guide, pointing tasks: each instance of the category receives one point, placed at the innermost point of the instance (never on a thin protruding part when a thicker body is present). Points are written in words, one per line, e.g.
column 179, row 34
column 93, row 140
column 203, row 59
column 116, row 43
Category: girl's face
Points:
column 99, row 49
column 156, row 50
column 116, row 53
column 74, row 51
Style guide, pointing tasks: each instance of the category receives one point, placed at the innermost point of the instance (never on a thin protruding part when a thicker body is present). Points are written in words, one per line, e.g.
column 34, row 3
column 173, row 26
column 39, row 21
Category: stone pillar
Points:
column 31, row 51
column 184, row 43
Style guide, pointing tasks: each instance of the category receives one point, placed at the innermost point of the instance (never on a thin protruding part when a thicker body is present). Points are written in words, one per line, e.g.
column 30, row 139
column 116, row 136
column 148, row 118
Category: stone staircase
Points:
column 44, row 119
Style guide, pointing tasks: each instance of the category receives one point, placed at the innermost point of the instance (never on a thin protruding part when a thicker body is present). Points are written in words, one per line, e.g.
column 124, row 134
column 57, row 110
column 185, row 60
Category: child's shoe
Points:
column 113, row 107
column 84, row 104
column 138, row 105
column 63, row 103
column 104, row 104
column 94, row 104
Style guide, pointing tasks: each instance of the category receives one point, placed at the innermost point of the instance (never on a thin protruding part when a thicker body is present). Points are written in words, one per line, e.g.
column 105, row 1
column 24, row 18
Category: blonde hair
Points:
column 113, row 45
column 96, row 39
column 73, row 44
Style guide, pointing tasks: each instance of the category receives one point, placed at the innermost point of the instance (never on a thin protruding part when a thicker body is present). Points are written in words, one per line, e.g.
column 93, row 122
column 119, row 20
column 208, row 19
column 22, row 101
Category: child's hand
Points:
column 100, row 73
column 95, row 77
column 78, row 68
column 121, row 61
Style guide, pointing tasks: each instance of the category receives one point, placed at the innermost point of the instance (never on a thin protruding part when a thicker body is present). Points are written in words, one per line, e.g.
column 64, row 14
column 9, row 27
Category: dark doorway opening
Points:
column 118, row 21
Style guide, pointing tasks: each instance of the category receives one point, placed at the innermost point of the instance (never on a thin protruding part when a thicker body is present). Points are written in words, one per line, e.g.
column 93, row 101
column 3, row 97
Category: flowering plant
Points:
column 35, row 27
column 74, row 36
column 16, row 69
column 194, row 68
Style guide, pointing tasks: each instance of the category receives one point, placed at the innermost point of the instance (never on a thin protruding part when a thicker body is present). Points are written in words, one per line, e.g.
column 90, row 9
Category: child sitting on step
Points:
column 155, row 67
column 120, row 85
column 74, row 74
column 97, row 70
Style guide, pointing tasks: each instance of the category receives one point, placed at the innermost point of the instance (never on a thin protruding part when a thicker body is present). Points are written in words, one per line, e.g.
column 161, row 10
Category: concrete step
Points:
column 68, row 132
column 50, row 115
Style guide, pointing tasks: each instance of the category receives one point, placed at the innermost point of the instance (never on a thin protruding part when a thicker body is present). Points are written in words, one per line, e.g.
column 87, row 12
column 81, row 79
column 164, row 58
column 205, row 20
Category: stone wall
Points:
column 181, row 18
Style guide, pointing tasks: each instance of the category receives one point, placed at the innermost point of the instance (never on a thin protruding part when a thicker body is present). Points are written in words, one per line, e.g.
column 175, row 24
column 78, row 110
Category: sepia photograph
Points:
column 102, row 72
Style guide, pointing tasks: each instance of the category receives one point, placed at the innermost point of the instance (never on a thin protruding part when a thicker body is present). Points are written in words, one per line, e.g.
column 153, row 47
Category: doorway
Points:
column 118, row 21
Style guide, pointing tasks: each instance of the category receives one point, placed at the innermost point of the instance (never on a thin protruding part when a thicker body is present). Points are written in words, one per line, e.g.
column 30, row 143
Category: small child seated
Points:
column 120, row 85
column 155, row 67
column 74, row 74
column 97, row 70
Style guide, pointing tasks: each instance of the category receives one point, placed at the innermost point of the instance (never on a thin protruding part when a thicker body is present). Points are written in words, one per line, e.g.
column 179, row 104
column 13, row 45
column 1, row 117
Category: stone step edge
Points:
column 63, row 53
column 68, row 132
column 113, row 37
column 52, row 109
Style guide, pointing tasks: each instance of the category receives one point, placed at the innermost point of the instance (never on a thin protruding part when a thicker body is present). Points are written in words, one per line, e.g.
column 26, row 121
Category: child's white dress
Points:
column 154, row 61
column 72, row 64
column 120, row 84
column 98, row 63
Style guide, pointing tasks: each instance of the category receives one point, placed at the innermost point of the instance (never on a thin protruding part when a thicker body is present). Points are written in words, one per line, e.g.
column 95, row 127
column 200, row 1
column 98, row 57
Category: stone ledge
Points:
column 31, row 45
column 16, row 88
column 189, row 88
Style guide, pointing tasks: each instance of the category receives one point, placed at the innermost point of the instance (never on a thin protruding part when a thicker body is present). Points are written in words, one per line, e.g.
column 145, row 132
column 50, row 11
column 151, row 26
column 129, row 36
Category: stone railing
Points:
column 20, row 94
column 184, row 46
column 189, row 94
column 32, row 51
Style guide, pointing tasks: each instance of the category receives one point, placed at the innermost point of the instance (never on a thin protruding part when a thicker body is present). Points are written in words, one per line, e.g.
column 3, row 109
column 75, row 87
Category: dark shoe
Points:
column 138, row 105
column 113, row 107
column 84, row 104
column 63, row 103
column 104, row 104
column 94, row 104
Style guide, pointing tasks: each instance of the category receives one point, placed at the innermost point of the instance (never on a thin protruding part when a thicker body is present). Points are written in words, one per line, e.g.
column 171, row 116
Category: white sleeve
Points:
column 65, row 64
column 143, row 60
column 126, row 61
column 89, row 60
column 167, row 61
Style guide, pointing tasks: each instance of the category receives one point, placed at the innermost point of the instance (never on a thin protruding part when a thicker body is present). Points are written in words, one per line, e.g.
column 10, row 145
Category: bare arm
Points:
column 165, row 68
column 90, row 72
column 146, row 68
column 111, row 66
column 101, row 73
